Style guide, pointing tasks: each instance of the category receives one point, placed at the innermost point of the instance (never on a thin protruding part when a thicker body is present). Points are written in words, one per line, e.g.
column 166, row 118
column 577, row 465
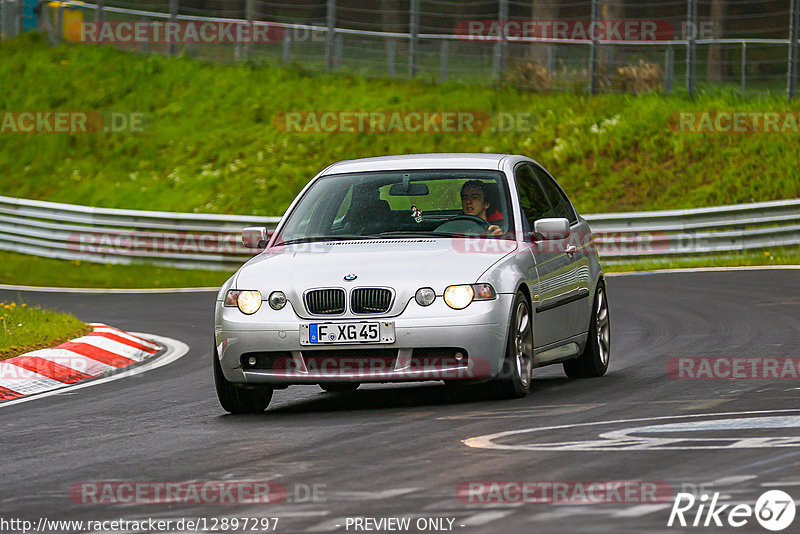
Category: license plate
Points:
column 352, row 332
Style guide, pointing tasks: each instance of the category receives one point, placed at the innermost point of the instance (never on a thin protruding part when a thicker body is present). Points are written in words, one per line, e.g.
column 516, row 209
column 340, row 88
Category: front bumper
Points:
column 480, row 331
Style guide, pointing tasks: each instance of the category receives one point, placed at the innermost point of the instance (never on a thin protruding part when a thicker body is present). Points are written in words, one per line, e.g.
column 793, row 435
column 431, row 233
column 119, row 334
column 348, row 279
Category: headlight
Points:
column 277, row 300
column 425, row 296
column 248, row 301
column 459, row 297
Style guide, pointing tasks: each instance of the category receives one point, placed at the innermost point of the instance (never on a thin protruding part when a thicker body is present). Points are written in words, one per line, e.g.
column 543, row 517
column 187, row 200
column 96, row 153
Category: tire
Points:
column 339, row 387
column 597, row 352
column 235, row 399
column 515, row 379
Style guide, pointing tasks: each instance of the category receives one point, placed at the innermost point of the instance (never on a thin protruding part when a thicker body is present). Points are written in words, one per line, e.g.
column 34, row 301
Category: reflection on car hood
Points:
column 402, row 264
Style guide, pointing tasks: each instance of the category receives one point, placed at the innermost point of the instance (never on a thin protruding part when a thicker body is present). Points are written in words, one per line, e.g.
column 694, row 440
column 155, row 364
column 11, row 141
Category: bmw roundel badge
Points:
column 350, row 277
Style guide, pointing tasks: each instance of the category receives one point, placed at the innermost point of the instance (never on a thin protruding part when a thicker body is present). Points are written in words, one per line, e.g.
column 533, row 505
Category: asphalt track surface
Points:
column 399, row 451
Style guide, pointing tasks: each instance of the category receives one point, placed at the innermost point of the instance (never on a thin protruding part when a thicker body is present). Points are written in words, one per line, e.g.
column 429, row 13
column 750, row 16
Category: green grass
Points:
column 778, row 256
column 25, row 328
column 22, row 269
column 212, row 146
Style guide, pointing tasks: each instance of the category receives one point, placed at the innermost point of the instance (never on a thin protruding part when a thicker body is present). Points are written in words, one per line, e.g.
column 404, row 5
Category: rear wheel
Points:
column 595, row 357
column 236, row 399
column 340, row 387
column 515, row 378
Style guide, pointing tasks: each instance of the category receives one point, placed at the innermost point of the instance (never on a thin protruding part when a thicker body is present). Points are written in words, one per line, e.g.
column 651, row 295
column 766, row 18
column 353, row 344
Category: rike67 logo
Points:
column 774, row 510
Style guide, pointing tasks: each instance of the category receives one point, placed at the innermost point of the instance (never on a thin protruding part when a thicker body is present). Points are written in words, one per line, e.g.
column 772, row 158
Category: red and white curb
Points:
column 104, row 350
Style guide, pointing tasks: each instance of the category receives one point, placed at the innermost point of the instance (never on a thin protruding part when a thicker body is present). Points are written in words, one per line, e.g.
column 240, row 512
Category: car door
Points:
column 547, row 282
column 570, row 261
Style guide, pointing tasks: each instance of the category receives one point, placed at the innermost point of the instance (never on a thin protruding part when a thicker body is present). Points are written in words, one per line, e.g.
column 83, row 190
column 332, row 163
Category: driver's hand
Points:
column 494, row 230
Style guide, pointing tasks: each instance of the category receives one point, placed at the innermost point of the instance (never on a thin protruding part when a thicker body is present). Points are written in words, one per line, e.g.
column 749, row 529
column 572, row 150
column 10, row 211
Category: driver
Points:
column 475, row 203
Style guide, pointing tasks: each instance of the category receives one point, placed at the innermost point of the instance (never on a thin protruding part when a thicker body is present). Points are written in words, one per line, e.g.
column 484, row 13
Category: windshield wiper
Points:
column 430, row 233
column 309, row 239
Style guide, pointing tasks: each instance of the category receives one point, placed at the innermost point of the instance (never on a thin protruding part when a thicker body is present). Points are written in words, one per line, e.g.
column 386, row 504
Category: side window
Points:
column 531, row 197
column 558, row 200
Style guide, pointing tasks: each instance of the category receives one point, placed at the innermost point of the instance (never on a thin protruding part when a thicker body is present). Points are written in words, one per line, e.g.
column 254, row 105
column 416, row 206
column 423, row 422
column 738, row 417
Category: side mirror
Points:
column 255, row 237
column 551, row 228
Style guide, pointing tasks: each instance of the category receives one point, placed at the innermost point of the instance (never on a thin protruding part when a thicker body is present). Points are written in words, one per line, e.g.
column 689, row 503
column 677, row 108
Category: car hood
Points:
column 404, row 265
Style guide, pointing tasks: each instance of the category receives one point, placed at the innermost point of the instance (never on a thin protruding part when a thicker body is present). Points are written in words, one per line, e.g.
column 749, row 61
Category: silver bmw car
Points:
column 466, row 268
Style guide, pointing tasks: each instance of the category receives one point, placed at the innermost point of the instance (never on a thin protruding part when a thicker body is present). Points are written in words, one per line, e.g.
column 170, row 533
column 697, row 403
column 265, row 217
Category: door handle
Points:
column 571, row 249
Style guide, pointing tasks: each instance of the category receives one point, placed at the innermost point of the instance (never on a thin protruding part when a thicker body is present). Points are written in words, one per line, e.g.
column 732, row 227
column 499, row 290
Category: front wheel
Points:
column 236, row 399
column 515, row 378
column 595, row 357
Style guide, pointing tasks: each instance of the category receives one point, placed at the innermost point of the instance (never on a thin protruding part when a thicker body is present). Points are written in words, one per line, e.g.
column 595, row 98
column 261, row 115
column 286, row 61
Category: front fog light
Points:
column 458, row 297
column 249, row 301
column 277, row 300
column 425, row 296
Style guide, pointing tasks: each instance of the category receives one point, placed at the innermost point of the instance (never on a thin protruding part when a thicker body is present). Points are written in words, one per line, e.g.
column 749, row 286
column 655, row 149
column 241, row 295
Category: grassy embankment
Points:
column 25, row 328
column 212, row 145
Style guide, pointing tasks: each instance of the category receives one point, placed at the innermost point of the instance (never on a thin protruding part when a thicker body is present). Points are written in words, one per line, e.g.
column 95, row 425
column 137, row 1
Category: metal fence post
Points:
column 445, row 52
column 593, row 49
column 144, row 41
column 249, row 11
column 691, row 46
column 60, row 21
column 503, row 45
column 339, row 50
column 669, row 69
column 391, row 51
column 413, row 29
column 329, row 35
column 286, row 47
column 173, row 18
column 794, row 35
column 744, row 66
column 99, row 14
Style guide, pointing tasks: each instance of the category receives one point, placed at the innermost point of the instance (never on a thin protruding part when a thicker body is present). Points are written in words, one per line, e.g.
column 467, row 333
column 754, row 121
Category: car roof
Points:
column 421, row 161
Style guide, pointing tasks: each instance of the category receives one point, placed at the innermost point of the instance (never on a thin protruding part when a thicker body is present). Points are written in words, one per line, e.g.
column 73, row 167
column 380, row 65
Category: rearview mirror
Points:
column 410, row 190
column 551, row 228
column 254, row 237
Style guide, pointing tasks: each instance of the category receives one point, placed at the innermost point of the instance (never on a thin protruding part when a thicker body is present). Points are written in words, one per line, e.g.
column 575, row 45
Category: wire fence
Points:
column 582, row 45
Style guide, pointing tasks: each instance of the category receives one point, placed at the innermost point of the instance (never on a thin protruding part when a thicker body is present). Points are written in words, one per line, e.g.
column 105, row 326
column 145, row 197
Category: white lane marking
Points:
column 373, row 495
column 331, row 524
column 640, row 510
column 731, row 481
column 43, row 289
column 487, row 441
column 484, row 517
column 707, row 270
column 779, row 484
column 175, row 350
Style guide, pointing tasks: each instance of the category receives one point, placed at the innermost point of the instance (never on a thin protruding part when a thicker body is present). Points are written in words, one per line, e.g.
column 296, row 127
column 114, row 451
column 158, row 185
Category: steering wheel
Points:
column 453, row 224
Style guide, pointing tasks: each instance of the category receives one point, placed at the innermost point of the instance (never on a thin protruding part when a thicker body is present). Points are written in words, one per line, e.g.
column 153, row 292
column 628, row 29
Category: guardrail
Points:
column 208, row 241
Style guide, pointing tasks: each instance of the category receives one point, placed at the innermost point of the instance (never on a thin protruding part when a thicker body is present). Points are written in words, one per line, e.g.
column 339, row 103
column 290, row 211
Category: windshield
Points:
column 402, row 204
